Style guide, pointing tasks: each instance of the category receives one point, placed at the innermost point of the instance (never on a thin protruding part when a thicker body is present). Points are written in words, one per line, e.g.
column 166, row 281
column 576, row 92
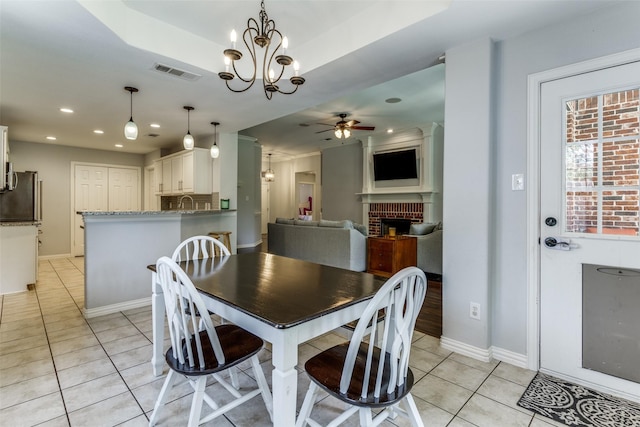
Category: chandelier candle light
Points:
column 215, row 150
column 188, row 141
column 131, row 129
column 265, row 35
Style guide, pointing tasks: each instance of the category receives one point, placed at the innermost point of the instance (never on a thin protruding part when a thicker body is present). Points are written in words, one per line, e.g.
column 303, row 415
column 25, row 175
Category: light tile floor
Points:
column 58, row 369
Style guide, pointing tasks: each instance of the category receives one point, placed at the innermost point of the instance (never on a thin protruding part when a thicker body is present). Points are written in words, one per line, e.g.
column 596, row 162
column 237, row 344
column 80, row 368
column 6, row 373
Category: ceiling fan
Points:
column 343, row 128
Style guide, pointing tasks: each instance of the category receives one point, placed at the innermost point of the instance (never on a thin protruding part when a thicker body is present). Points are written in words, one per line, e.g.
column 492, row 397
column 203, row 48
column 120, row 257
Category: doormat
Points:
column 575, row 405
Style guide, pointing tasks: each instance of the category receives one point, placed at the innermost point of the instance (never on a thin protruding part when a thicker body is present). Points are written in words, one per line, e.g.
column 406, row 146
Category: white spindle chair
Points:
column 199, row 247
column 198, row 353
column 362, row 374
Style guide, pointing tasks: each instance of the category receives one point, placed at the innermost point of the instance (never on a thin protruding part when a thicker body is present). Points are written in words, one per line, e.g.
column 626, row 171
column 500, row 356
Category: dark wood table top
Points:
column 280, row 291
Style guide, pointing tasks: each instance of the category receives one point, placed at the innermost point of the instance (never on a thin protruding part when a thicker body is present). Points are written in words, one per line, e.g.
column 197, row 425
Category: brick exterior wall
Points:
column 620, row 163
column 412, row 211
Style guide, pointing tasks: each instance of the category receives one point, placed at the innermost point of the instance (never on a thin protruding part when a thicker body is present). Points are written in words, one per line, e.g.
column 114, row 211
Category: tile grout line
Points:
column 108, row 355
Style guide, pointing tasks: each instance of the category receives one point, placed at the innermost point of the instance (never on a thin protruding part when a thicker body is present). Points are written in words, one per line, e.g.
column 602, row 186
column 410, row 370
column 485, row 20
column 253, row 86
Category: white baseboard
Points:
column 250, row 245
column 115, row 308
column 477, row 353
column 510, row 357
column 56, row 256
column 485, row 355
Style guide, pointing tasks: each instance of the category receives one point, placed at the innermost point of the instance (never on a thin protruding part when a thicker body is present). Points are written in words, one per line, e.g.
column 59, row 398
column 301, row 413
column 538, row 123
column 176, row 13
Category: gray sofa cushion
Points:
column 421, row 229
column 335, row 224
column 305, row 223
column 284, row 221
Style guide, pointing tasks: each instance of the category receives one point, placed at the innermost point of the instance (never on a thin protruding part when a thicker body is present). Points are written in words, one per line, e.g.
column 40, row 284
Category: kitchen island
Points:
column 119, row 246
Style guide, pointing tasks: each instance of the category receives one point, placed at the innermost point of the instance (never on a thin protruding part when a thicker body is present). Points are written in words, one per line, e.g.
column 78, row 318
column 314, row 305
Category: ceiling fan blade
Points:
column 363, row 127
column 325, row 124
column 326, row 130
column 351, row 123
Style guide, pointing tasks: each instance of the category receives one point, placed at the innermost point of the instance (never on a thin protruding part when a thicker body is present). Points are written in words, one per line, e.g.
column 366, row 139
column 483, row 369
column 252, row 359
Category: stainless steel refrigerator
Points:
column 23, row 203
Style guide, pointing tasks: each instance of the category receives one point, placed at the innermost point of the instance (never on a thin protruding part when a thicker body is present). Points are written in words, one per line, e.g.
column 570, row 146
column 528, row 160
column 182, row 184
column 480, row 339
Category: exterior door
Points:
column 589, row 216
column 91, row 194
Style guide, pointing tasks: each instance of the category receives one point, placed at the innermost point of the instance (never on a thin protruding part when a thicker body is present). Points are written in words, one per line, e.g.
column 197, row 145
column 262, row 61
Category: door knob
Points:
column 557, row 243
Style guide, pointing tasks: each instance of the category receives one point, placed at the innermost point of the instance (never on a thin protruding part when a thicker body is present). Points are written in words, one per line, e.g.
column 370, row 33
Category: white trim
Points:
column 459, row 347
column 250, row 245
column 88, row 313
column 507, row 356
column 55, row 256
column 534, row 84
column 485, row 355
column 595, row 386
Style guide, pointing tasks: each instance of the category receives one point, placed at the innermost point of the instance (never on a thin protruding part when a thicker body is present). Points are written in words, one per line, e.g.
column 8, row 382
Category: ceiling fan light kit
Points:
column 131, row 129
column 343, row 128
column 265, row 35
column 188, row 141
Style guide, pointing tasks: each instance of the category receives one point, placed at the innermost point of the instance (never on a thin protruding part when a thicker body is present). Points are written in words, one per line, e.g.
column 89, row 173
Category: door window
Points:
column 602, row 163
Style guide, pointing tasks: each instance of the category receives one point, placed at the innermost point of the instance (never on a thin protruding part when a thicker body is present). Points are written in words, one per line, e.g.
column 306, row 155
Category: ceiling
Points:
column 353, row 54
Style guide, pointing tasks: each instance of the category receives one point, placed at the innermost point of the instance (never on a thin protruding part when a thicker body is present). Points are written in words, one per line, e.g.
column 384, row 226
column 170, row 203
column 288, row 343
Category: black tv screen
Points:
column 395, row 165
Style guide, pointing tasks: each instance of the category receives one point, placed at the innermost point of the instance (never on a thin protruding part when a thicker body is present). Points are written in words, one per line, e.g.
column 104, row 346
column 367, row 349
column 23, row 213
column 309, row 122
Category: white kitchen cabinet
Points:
column 18, row 257
column 166, row 176
column 157, row 173
column 187, row 172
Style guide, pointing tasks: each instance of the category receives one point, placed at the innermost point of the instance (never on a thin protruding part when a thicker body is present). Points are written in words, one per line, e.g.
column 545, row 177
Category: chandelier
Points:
column 268, row 175
column 264, row 34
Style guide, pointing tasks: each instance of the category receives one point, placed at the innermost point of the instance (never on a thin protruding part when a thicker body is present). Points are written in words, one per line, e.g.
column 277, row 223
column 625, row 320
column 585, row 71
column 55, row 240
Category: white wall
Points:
column 53, row 163
column 501, row 257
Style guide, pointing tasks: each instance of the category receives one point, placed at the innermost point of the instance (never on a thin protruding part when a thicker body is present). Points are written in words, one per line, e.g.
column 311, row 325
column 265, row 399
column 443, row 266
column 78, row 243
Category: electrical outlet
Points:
column 474, row 310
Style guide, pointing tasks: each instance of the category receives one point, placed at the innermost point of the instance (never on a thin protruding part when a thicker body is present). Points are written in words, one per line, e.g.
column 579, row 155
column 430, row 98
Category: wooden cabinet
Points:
column 187, row 172
column 388, row 255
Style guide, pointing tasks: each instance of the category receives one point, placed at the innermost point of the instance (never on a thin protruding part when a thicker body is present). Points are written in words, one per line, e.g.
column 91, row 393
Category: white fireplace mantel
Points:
column 402, row 196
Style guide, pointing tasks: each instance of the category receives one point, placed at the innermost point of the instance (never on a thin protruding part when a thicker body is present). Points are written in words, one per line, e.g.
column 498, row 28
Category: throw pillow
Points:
column 361, row 228
column 336, row 224
column 438, row 226
column 421, row 229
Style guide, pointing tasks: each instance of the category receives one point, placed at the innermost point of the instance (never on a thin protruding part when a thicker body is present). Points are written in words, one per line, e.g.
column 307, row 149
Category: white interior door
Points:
column 589, row 203
column 91, row 194
column 123, row 189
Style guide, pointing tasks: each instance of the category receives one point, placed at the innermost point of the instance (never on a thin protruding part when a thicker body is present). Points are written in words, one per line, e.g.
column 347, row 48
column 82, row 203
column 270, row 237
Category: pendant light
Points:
column 215, row 150
column 131, row 129
column 188, row 141
column 269, row 176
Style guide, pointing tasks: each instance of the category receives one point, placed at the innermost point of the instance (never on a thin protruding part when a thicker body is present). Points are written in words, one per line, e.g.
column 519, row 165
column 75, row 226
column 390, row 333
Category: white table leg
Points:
column 158, row 314
column 284, row 380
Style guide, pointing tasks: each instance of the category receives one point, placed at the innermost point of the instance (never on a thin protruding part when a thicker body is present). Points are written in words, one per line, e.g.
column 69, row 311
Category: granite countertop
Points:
column 155, row 213
column 18, row 223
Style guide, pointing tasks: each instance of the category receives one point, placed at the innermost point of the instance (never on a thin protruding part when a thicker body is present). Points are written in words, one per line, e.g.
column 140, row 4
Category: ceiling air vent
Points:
column 186, row 75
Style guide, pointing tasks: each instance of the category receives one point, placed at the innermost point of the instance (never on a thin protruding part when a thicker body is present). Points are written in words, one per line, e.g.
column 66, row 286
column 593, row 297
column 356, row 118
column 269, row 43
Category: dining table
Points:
column 284, row 301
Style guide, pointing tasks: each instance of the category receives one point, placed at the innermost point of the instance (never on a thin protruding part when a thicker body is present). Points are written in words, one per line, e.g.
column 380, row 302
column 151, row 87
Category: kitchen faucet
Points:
column 180, row 201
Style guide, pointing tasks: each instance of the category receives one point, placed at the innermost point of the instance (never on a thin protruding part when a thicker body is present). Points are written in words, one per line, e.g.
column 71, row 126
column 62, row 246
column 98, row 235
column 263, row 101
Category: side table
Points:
column 386, row 255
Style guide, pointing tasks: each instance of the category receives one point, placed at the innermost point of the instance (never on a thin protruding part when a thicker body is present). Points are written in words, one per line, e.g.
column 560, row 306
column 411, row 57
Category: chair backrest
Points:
column 182, row 298
column 199, row 247
column 398, row 302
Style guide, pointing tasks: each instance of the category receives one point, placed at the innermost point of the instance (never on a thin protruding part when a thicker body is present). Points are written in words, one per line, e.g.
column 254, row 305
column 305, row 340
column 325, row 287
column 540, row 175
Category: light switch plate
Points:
column 517, row 182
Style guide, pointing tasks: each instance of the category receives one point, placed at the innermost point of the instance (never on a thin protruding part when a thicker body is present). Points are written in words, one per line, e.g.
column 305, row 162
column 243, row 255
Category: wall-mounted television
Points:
column 395, row 165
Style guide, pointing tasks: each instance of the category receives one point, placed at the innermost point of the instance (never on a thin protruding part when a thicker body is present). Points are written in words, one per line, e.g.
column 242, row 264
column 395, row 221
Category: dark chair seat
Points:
column 237, row 345
column 325, row 369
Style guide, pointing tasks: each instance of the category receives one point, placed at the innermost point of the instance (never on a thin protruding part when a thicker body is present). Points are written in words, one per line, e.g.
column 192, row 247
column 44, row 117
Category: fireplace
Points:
column 401, row 225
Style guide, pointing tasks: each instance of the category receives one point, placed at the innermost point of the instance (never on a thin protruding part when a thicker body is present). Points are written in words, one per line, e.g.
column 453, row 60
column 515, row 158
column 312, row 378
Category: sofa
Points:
column 340, row 244
column 429, row 244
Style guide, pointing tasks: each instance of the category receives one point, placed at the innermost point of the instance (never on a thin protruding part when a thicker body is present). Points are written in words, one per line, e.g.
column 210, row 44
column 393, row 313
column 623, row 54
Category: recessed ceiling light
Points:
column 98, row 131
column 154, row 125
column 66, row 110
column 51, row 138
column 389, row 130
column 392, row 100
column 119, row 145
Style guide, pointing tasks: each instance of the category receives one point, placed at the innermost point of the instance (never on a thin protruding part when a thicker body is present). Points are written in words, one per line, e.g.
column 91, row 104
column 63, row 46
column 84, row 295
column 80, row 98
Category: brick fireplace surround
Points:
column 412, row 211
